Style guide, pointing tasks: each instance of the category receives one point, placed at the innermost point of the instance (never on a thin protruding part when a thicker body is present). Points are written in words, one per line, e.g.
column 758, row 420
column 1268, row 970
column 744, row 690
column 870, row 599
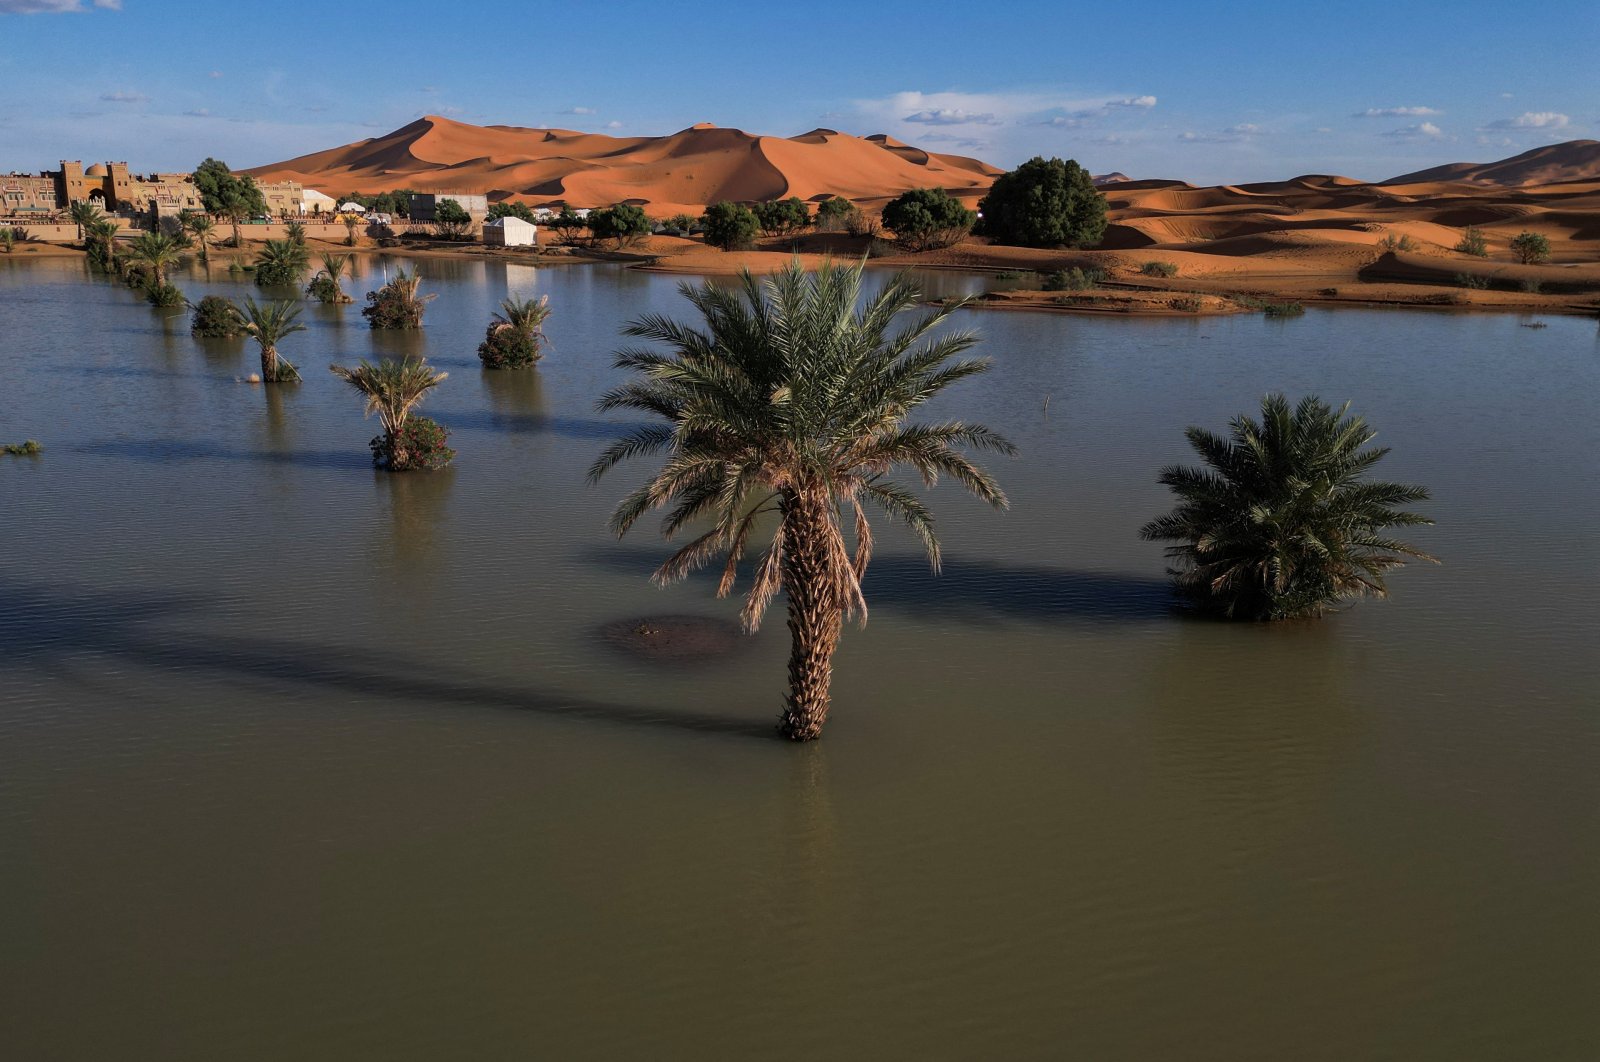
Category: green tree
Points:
column 397, row 304
column 100, row 241
column 352, row 225
column 217, row 318
column 228, row 194
column 1044, row 203
column 203, row 229
column 296, row 232
column 281, row 262
column 833, row 213
column 1281, row 523
column 269, row 325
column 84, row 213
column 785, row 410
column 451, row 219
column 1473, row 242
column 730, row 226
column 511, row 209
column 157, row 253
column 624, row 223
column 515, row 337
column 925, row 219
column 1530, row 248
column 782, row 217
column 393, row 389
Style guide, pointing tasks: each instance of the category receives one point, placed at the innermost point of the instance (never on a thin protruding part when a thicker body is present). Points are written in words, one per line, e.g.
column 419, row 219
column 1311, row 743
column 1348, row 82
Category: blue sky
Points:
column 1206, row 92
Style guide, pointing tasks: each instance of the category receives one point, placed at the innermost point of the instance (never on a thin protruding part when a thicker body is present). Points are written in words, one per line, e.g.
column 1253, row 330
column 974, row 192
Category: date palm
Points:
column 84, row 213
column 1281, row 523
column 281, row 262
column 788, row 408
column 269, row 325
column 203, row 228
column 515, row 336
column 393, row 389
column 325, row 285
column 157, row 252
column 351, row 224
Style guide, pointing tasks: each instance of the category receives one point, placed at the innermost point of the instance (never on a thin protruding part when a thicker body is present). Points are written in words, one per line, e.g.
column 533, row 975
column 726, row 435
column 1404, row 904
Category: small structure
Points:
column 425, row 205
column 510, row 232
column 314, row 202
column 352, row 207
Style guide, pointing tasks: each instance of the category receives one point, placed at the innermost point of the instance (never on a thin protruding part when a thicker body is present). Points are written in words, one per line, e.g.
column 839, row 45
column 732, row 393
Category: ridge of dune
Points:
column 1552, row 163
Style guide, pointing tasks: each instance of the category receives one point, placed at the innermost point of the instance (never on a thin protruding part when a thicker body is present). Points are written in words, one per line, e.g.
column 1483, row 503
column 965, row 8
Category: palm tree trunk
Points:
column 814, row 617
column 269, row 363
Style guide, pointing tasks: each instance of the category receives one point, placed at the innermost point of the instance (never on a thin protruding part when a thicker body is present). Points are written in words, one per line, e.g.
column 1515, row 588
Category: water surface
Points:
column 301, row 760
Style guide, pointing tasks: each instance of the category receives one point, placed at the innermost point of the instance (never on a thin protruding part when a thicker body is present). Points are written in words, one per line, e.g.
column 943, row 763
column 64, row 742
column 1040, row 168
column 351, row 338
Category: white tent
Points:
column 510, row 232
column 352, row 207
column 314, row 202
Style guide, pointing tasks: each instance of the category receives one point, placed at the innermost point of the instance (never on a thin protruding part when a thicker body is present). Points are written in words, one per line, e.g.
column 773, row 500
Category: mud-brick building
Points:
column 120, row 191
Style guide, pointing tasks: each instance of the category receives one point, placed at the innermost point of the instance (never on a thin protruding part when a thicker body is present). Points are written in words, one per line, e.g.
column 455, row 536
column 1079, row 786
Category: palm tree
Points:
column 325, row 285
column 237, row 209
column 84, row 213
column 1280, row 523
column 397, row 304
column 281, row 262
column 157, row 252
column 203, row 228
column 296, row 232
column 393, row 389
column 100, row 241
column 791, row 403
column 351, row 224
column 269, row 325
column 515, row 337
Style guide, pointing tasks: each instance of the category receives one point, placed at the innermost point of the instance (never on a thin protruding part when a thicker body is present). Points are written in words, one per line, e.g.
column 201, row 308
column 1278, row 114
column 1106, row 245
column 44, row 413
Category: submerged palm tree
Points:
column 1281, row 524
column 324, row 287
column 393, row 389
column 100, row 241
column 790, row 403
column 157, row 252
column 397, row 304
column 269, row 325
column 281, row 262
column 515, row 337
column 203, row 228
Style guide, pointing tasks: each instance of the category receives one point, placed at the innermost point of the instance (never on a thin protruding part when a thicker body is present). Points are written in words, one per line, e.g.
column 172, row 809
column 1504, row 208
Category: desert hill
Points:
column 1569, row 161
column 686, row 170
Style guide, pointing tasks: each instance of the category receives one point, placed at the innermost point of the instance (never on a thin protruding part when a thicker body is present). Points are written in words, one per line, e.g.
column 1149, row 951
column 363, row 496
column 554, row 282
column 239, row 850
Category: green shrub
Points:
column 624, row 223
column 1187, row 304
column 515, row 337
column 1531, row 286
column 681, row 222
column 1473, row 242
column 1402, row 242
column 163, row 295
column 730, row 226
column 421, row 443
column 281, row 262
column 1044, row 203
column 216, row 318
column 1472, row 280
column 1159, row 269
column 782, row 217
column 926, row 219
column 397, row 304
column 451, row 220
column 860, row 223
column 509, row 209
column 1074, row 279
column 1282, row 309
column 833, row 214
column 1530, row 248
column 27, row 447
column 1008, row 274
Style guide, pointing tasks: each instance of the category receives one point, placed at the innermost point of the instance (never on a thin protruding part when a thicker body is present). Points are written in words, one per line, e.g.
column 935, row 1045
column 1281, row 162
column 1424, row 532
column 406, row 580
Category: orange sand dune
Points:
column 684, row 171
column 1542, row 165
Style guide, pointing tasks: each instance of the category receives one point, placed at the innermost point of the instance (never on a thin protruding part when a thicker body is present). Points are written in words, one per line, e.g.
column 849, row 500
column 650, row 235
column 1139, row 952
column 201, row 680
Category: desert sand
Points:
column 1319, row 237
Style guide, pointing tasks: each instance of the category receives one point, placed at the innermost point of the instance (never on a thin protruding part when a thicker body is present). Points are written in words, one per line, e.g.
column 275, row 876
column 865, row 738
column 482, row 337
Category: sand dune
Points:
column 684, row 171
column 1542, row 165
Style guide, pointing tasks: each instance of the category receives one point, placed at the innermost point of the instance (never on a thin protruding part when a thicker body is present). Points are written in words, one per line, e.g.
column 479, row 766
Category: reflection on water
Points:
column 280, row 734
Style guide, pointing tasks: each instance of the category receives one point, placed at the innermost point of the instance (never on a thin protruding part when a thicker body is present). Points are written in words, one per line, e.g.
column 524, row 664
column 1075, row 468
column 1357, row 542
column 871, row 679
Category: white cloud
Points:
column 613, row 124
column 1396, row 112
column 1062, row 121
column 1231, row 135
column 124, row 97
column 1244, row 129
column 198, row 112
column 1142, row 102
column 579, row 110
column 951, row 116
column 53, row 7
column 1533, row 120
column 214, row 74
column 1420, row 131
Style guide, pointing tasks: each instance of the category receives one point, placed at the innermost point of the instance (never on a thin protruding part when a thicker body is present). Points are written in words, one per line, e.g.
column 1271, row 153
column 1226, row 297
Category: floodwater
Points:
column 298, row 760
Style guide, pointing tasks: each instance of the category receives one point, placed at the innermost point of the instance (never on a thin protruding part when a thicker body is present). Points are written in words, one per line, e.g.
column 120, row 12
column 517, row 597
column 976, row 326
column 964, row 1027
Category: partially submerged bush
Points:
column 26, row 448
column 1159, row 269
column 397, row 304
column 325, row 287
column 1074, row 279
column 1282, row 309
column 217, row 318
column 162, row 295
column 515, row 338
column 420, row 443
column 281, row 262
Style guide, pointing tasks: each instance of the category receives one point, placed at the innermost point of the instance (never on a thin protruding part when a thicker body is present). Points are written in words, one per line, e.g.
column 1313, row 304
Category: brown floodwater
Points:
column 298, row 760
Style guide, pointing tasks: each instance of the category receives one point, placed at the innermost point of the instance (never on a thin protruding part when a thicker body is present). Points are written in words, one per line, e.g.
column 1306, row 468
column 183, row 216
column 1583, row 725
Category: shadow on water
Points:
column 971, row 590
column 161, row 451
column 51, row 626
column 540, row 423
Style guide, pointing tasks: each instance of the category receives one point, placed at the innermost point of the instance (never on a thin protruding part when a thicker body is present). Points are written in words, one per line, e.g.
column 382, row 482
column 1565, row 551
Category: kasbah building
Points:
column 120, row 192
